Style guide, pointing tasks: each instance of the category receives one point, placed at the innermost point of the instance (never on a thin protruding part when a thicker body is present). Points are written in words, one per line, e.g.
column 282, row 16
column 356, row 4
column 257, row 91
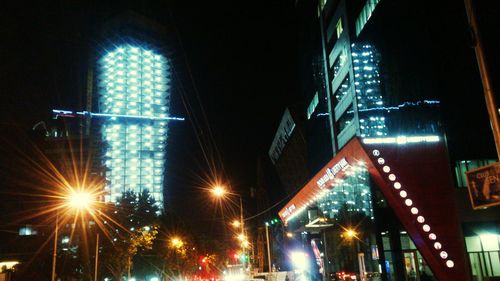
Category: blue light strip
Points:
column 59, row 112
column 397, row 107
column 405, row 104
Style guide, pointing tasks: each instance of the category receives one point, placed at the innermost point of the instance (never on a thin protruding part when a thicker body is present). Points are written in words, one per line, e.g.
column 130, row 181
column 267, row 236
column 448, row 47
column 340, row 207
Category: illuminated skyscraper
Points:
column 133, row 88
column 365, row 61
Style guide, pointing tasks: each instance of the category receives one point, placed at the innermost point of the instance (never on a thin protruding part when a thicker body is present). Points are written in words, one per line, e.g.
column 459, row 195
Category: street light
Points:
column 78, row 200
column 220, row 192
column 241, row 237
column 236, row 223
column 245, row 243
column 350, row 233
column 176, row 242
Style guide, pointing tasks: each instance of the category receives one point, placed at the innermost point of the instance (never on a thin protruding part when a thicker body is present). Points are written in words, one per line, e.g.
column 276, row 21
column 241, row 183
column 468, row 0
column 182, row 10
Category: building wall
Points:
column 133, row 88
column 288, row 152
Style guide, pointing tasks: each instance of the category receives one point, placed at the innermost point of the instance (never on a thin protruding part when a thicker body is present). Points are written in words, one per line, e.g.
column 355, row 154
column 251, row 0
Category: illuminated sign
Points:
column 282, row 135
column 401, row 139
column 288, row 210
column 332, row 172
column 484, row 186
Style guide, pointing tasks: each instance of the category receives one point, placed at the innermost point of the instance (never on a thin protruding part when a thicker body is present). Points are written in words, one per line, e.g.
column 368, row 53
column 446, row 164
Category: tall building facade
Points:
column 133, row 91
column 374, row 73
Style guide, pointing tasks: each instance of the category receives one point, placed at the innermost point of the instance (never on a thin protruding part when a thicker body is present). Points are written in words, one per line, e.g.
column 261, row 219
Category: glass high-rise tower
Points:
column 133, row 91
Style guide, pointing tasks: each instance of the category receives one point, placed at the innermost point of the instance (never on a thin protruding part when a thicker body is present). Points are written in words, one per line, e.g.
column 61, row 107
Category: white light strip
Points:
column 86, row 113
column 402, row 139
column 409, row 203
column 133, row 116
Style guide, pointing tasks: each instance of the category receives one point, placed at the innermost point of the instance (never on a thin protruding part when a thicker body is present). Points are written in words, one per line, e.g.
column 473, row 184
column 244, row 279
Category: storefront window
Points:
column 484, row 255
column 353, row 192
column 414, row 266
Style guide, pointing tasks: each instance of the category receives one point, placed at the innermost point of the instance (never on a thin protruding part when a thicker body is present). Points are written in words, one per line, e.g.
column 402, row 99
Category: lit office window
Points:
column 27, row 231
column 369, row 98
column 343, row 90
column 365, row 15
column 312, row 106
column 339, row 62
column 322, row 4
column 339, row 28
column 346, row 119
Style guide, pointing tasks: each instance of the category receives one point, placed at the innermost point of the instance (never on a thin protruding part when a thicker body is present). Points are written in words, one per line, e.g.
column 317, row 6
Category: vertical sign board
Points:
column 484, row 186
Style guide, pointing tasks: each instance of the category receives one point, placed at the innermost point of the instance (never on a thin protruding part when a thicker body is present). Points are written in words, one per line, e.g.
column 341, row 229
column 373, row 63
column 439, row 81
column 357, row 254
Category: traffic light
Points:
column 272, row 221
column 243, row 258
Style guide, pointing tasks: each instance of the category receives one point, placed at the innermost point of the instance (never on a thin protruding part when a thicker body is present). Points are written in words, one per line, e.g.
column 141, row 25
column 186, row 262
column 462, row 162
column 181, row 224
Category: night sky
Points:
column 237, row 69
column 236, row 63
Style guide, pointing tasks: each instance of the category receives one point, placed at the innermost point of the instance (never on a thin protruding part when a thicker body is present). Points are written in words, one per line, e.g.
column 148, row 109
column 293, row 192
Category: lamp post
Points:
column 96, row 256
column 269, row 265
column 54, row 254
column 77, row 200
column 220, row 192
column 176, row 243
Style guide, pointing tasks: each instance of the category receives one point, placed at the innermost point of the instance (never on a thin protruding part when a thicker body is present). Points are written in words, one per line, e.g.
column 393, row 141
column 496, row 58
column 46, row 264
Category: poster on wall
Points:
column 318, row 255
column 484, row 186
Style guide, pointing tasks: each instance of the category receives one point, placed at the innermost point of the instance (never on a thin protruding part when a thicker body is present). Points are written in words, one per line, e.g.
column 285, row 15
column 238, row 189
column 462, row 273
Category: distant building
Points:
column 133, row 89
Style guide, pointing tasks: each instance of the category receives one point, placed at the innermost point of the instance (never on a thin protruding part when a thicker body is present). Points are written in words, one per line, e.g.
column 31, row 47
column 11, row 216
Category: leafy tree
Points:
column 134, row 230
column 179, row 260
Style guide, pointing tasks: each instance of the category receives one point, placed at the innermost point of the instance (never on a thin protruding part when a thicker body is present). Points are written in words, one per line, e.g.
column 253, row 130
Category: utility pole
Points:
column 268, row 248
column 54, row 254
column 96, row 256
column 489, row 95
column 243, row 232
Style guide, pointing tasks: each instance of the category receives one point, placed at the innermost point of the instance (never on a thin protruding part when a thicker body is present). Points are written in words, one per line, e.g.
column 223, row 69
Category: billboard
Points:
column 484, row 186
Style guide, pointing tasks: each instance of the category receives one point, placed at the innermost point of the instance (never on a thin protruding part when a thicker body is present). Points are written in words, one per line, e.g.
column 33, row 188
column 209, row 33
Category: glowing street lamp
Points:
column 78, row 200
column 241, row 237
column 236, row 223
column 350, row 233
column 176, row 242
column 218, row 191
column 245, row 244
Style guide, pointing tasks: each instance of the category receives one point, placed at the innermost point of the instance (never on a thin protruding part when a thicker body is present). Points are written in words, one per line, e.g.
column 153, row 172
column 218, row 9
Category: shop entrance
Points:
column 414, row 181
column 411, row 269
